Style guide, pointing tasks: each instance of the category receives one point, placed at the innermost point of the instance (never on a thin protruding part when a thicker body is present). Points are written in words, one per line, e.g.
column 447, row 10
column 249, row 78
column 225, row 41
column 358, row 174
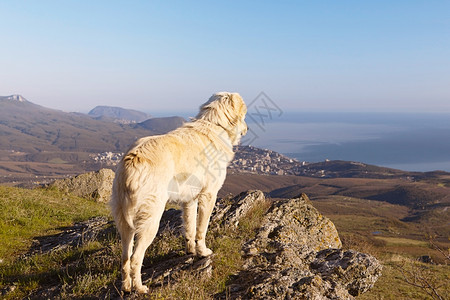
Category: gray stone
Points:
column 296, row 255
column 229, row 212
column 92, row 185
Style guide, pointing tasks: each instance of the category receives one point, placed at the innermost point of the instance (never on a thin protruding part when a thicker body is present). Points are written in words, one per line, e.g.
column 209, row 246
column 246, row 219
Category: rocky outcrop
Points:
column 80, row 234
column 295, row 255
column 229, row 212
column 92, row 185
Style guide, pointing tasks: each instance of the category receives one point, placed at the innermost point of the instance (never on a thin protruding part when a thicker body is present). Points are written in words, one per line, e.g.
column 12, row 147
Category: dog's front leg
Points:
column 206, row 203
column 190, row 222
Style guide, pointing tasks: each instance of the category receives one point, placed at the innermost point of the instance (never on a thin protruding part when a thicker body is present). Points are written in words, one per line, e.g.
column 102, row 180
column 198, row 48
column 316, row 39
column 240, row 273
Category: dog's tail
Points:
column 121, row 204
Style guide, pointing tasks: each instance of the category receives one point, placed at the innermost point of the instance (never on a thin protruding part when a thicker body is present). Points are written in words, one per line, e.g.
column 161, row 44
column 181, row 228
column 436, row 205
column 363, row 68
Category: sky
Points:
column 164, row 56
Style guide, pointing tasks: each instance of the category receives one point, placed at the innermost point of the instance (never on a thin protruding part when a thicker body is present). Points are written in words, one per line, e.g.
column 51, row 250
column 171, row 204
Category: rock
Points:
column 77, row 235
column 170, row 269
column 92, row 185
column 229, row 212
column 296, row 255
column 426, row 259
column 354, row 272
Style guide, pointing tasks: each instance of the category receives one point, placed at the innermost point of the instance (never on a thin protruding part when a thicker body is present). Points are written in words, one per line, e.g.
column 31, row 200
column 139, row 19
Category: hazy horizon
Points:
column 411, row 142
column 287, row 115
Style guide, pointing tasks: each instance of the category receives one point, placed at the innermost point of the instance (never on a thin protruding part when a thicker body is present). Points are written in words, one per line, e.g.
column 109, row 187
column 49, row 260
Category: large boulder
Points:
column 93, row 185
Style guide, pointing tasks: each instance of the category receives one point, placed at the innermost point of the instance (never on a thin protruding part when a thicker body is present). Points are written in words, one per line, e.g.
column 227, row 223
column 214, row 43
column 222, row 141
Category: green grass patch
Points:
column 392, row 284
column 57, row 160
column 90, row 270
column 396, row 241
column 30, row 213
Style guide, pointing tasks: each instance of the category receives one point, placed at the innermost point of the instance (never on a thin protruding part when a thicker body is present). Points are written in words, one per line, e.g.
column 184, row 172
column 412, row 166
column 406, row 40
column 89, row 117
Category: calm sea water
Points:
column 412, row 142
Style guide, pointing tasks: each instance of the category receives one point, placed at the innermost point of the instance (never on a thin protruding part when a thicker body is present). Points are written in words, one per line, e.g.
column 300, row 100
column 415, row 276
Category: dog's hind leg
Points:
column 206, row 203
column 190, row 223
column 146, row 229
column 127, row 236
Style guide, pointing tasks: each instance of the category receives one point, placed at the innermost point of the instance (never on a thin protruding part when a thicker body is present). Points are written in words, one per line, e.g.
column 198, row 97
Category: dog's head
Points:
column 226, row 110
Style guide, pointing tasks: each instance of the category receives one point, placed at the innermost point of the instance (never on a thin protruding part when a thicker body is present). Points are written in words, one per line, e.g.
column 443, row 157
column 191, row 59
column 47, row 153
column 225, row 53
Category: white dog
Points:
column 187, row 165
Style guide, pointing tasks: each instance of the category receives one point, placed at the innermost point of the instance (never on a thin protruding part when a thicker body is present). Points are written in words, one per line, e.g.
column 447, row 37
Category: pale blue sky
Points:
column 172, row 55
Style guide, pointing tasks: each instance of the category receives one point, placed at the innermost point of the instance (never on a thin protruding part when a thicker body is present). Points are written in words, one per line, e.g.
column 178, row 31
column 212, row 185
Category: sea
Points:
column 405, row 141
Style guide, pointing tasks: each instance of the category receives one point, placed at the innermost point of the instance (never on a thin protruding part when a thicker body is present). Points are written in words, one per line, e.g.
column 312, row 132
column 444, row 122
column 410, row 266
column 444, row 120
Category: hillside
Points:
column 161, row 125
column 252, row 160
column 261, row 245
column 424, row 204
column 30, row 128
column 118, row 114
column 36, row 141
column 82, row 261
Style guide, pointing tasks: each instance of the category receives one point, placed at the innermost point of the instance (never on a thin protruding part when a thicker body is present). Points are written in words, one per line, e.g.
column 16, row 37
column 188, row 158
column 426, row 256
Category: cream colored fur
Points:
column 187, row 165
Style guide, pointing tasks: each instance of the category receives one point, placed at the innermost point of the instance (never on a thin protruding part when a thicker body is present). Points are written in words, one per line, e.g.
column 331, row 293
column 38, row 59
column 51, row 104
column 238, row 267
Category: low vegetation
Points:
column 375, row 227
column 93, row 269
column 31, row 213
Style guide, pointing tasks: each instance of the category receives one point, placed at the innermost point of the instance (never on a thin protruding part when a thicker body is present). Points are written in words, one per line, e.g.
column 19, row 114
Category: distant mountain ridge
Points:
column 162, row 125
column 39, row 131
column 118, row 114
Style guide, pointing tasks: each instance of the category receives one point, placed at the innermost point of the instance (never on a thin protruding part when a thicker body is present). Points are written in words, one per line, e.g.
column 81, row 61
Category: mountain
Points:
column 30, row 128
column 30, row 132
column 13, row 98
column 162, row 125
column 118, row 114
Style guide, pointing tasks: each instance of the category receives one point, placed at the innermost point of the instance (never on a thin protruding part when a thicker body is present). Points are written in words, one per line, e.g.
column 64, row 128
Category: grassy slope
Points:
column 93, row 270
column 374, row 227
column 29, row 213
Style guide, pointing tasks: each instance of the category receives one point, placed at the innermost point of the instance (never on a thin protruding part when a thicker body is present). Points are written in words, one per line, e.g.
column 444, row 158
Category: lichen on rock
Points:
column 296, row 255
column 91, row 185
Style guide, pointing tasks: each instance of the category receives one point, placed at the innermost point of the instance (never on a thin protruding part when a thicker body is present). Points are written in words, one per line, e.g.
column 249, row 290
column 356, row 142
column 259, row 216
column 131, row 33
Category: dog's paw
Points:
column 190, row 248
column 203, row 252
column 142, row 289
column 126, row 285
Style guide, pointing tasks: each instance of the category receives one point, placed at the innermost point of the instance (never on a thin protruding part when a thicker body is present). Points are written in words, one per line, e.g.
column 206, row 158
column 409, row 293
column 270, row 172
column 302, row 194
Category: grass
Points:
column 396, row 241
column 227, row 260
column 29, row 213
column 391, row 285
column 92, row 270
column 375, row 228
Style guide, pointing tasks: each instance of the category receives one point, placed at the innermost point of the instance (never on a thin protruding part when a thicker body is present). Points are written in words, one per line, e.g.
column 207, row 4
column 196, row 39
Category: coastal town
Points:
column 248, row 159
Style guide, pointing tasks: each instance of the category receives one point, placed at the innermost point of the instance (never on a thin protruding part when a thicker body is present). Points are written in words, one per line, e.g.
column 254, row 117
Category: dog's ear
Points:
column 226, row 98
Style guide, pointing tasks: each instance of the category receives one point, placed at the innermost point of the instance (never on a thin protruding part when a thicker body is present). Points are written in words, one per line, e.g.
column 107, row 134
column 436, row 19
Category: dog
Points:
column 187, row 165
